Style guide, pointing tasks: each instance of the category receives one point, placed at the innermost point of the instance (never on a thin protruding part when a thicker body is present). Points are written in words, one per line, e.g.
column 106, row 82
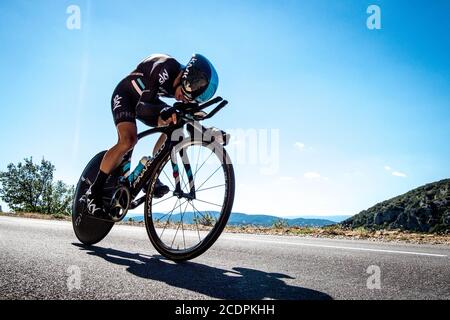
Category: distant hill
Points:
column 237, row 219
column 267, row 221
column 336, row 218
column 425, row 209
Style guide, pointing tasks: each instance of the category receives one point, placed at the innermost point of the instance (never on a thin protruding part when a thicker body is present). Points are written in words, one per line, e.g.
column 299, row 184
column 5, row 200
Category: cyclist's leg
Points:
column 123, row 109
column 127, row 132
column 127, row 140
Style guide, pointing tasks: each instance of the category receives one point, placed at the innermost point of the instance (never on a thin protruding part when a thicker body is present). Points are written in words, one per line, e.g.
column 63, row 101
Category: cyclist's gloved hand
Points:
column 168, row 115
column 167, row 112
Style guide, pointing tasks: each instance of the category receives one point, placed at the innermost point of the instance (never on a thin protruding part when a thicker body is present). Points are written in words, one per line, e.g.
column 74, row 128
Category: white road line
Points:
column 340, row 247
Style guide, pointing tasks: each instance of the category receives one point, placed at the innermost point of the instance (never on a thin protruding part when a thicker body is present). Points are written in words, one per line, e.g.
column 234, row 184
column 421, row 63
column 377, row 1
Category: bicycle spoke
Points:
column 195, row 174
column 178, row 228
column 214, row 204
column 176, row 207
column 210, row 177
column 215, row 187
column 215, row 219
column 162, row 200
column 169, row 179
column 198, row 158
column 196, row 223
column 167, row 222
column 182, row 225
column 198, row 211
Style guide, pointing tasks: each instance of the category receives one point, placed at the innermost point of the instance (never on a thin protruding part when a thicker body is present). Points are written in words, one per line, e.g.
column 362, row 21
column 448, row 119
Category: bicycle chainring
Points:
column 120, row 203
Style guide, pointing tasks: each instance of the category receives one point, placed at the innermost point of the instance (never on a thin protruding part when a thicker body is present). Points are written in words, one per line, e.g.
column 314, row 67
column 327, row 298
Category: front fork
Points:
column 176, row 175
column 194, row 129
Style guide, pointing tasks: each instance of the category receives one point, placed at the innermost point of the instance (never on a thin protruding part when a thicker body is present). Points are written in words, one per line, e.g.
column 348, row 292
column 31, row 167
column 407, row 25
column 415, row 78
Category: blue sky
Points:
column 363, row 115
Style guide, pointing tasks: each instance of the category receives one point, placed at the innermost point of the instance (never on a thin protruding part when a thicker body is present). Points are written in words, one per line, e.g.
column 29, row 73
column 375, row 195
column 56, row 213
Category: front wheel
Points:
column 187, row 222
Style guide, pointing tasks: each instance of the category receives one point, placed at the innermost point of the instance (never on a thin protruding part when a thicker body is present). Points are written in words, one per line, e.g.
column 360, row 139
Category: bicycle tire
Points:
column 218, row 228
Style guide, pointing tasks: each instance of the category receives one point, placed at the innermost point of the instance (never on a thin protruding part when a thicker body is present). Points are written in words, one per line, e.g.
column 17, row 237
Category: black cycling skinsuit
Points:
column 137, row 96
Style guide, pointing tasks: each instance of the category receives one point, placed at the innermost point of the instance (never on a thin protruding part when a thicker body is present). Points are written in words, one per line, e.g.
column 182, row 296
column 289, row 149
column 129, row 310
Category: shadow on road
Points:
column 239, row 283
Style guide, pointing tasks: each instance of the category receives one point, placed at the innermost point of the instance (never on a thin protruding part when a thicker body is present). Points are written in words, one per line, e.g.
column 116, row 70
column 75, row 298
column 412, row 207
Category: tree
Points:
column 29, row 187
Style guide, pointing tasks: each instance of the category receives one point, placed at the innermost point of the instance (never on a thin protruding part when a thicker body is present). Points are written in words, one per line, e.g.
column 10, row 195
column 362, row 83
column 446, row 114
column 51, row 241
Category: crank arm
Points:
column 136, row 203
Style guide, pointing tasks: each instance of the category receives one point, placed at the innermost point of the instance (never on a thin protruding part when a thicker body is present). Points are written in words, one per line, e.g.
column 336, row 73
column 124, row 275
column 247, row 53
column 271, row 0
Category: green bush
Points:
column 29, row 187
column 205, row 219
column 280, row 224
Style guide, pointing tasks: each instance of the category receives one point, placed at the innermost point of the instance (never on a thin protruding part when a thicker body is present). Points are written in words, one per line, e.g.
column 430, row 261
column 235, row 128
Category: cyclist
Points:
column 137, row 97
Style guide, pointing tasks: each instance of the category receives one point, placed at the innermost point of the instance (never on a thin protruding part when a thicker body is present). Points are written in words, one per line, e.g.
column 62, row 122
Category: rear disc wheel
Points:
column 88, row 229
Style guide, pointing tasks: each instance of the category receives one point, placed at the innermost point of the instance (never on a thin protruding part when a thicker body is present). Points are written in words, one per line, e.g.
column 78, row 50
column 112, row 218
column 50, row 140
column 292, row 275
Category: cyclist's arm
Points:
column 150, row 106
column 150, row 112
column 156, row 113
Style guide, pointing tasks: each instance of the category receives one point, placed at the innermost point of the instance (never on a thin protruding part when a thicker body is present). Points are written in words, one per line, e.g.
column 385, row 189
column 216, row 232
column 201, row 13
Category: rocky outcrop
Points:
column 425, row 209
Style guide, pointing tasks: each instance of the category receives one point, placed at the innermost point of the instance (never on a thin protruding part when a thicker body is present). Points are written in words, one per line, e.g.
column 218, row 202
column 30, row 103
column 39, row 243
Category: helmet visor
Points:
column 194, row 84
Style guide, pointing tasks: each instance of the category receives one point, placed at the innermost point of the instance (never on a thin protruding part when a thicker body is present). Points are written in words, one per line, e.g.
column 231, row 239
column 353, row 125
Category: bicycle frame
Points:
column 174, row 134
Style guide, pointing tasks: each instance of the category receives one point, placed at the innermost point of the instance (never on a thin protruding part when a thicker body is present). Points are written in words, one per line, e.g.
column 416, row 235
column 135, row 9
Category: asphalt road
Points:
column 43, row 260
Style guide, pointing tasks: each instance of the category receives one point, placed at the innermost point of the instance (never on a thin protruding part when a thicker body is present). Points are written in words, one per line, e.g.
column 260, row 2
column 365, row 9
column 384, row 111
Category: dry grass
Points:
column 334, row 232
column 37, row 216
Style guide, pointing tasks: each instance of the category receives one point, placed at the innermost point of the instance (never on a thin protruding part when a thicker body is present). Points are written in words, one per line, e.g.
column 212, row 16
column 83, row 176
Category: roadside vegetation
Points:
column 424, row 209
column 30, row 187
